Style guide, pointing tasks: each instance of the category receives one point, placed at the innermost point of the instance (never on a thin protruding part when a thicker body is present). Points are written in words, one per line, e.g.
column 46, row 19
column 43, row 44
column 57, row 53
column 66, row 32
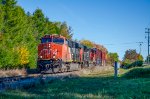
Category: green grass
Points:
column 138, row 73
column 91, row 86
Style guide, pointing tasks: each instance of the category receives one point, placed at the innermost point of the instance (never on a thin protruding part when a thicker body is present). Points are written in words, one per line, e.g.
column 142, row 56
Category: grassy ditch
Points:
column 96, row 83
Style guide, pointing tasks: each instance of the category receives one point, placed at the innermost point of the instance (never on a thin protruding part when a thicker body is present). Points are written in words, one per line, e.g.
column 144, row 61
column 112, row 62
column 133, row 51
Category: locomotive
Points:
column 58, row 54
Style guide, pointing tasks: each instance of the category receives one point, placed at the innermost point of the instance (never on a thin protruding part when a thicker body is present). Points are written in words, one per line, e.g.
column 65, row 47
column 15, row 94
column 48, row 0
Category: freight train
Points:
column 58, row 54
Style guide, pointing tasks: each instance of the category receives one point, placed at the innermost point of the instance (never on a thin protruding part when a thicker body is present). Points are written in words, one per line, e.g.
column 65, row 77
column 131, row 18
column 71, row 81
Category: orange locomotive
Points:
column 58, row 54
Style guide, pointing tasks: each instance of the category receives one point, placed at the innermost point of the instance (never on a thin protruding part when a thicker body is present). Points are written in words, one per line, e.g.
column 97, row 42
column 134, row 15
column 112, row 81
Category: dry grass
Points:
column 13, row 72
column 103, row 70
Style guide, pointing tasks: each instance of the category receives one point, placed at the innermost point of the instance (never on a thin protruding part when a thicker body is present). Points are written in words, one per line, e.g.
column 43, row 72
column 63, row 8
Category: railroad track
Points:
column 30, row 80
column 17, row 82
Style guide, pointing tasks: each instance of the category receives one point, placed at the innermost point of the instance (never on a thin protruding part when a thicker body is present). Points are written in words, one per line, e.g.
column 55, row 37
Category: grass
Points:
column 138, row 73
column 91, row 84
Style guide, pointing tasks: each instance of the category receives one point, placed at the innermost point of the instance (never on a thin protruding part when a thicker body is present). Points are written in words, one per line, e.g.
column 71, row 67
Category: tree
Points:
column 64, row 30
column 140, row 57
column 131, row 54
column 132, row 59
column 44, row 26
column 6, row 43
column 17, row 35
column 87, row 43
column 100, row 47
column 1, row 19
column 55, row 28
column 9, row 14
column 39, row 23
column 112, row 57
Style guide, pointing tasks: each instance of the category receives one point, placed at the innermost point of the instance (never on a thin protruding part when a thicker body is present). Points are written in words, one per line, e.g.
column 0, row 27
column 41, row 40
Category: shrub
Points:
column 137, row 63
column 126, row 63
column 138, row 72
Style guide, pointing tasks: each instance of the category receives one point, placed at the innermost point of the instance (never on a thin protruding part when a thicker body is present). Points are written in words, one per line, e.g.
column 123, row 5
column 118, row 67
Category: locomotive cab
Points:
column 51, row 47
column 52, row 52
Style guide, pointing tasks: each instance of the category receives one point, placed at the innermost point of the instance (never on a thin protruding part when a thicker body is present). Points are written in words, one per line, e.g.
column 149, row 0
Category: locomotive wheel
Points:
column 81, row 66
column 60, row 68
column 63, row 68
column 68, row 68
column 55, row 69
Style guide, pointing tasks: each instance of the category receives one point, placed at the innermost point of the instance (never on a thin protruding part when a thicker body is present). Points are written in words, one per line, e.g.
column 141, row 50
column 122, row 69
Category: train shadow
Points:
column 32, row 71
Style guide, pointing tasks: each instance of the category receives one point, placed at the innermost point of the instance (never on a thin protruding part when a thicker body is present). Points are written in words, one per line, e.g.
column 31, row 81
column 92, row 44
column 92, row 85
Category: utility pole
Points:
column 140, row 45
column 147, row 30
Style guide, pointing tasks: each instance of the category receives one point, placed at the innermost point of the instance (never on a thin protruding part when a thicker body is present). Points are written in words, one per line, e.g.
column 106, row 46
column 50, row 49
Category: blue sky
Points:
column 116, row 24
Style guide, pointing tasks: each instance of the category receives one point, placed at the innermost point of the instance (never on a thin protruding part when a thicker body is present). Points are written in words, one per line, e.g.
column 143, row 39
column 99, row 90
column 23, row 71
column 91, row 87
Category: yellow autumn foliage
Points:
column 23, row 55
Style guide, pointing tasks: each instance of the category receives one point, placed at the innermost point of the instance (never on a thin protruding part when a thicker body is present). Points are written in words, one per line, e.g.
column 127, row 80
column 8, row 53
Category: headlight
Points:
column 40, row 56
column 54, row 56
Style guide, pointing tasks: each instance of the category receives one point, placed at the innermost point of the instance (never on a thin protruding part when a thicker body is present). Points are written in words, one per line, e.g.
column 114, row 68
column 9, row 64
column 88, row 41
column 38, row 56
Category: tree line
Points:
column 20, row 34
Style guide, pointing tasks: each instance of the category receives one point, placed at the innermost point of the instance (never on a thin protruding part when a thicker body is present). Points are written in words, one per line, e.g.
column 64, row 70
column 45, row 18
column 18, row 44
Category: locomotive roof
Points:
column 53, row 35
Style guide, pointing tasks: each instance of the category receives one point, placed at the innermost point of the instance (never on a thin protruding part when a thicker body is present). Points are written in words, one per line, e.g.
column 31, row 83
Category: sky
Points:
column 117, row 24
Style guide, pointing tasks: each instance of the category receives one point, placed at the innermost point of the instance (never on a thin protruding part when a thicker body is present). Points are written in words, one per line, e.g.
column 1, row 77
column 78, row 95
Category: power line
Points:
column 125, row 43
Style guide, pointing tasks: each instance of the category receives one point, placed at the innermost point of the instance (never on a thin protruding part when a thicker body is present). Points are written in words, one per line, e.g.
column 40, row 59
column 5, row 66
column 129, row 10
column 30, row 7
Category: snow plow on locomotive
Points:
column 58, row 54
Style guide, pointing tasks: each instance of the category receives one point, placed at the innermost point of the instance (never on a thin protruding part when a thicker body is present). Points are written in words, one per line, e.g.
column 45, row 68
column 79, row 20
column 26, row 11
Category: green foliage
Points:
column 128, row 65
column 1, row 19
column 39, row 23
column 137, row 72
column 126, row 62
column 65, row 30
column 20, row 34
column 137, row 63
column 112, row 57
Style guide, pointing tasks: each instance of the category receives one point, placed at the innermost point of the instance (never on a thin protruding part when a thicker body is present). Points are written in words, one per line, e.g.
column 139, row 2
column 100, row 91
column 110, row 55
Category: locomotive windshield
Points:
column 54, row 39
column 45, row 40
column 58, row 40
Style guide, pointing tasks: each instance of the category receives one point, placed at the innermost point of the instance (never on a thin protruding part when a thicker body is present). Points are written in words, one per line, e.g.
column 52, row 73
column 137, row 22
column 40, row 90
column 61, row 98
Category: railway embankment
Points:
column 18, row 82
column 31, row 80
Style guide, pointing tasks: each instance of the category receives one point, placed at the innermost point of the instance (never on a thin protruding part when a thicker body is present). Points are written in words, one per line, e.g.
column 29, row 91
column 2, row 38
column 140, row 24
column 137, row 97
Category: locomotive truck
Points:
column 58, row 54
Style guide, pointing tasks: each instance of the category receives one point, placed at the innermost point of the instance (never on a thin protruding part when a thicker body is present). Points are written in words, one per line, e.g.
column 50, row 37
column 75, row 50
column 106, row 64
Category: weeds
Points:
column 13, row 72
